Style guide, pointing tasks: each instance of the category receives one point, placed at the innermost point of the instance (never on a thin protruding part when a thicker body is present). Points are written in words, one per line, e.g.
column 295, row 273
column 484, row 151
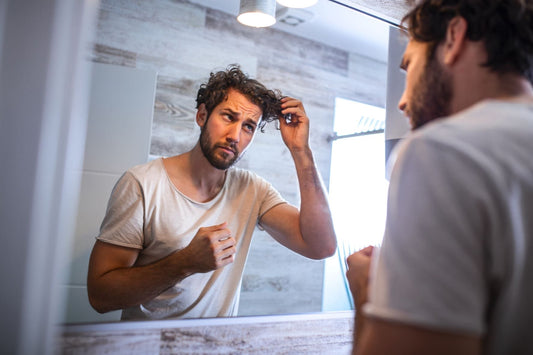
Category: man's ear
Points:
column 455, row 39
column 201, row 115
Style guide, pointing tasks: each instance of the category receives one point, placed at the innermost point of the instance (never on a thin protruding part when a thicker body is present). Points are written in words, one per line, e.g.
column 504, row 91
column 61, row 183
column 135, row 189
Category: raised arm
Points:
column 309, row 230
column 113, row 282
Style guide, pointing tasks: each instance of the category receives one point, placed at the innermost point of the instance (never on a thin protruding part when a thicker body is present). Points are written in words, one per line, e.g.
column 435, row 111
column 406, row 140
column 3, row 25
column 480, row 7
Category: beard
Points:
column 431, row 95
column 209, row 149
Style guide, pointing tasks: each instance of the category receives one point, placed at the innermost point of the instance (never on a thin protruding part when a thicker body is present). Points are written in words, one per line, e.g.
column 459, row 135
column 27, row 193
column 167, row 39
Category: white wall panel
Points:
column 118, row 137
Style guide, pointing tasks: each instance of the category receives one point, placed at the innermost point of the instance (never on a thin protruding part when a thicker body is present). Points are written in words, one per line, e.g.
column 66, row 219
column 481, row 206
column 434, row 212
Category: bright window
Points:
column 357, row 191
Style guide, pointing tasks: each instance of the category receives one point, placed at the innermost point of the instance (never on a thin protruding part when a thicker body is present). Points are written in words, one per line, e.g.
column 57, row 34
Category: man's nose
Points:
column 234, row 133
column 402, row 104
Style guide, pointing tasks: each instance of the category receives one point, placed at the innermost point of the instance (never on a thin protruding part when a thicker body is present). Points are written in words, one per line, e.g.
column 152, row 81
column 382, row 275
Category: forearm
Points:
column 358, row 328
column 130, row 286
column 358, row 275
column 316, row 225
column 360, row 297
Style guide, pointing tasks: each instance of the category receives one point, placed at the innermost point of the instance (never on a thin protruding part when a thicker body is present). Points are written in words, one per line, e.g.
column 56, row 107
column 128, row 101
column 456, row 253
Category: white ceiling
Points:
column 330, row 23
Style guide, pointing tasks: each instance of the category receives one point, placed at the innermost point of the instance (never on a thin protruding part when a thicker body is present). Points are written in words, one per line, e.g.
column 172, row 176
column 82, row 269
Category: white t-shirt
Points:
column 457, row 254
column 147, row 212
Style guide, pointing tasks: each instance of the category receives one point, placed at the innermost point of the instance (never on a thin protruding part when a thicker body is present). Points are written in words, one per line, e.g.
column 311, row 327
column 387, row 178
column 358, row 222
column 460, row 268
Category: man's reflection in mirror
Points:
column 177, row 230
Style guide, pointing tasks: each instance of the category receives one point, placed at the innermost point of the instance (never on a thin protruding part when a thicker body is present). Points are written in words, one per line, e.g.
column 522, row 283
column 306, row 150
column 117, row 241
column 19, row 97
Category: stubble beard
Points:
column 209, row 152
column 431, row 96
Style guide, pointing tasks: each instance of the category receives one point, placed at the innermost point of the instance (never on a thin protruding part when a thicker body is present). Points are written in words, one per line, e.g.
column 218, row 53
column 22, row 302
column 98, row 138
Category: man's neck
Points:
column 505, row 87
column 204, row 174
column 194, row 176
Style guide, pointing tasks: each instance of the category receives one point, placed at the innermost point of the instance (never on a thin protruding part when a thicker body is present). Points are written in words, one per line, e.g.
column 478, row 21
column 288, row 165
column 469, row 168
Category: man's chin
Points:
column 418, row 122
column 219, row 165
column 223, row 164
column 223, row 161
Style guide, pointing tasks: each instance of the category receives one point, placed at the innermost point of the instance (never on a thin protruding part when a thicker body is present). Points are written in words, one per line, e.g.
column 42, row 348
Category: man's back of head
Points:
column 505, row 27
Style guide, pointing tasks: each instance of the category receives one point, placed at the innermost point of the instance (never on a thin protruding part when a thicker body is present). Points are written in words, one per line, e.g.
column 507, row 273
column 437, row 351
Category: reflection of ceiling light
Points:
column 293, row 17
column 257, row 13
column 291, row 20
column 297, row 3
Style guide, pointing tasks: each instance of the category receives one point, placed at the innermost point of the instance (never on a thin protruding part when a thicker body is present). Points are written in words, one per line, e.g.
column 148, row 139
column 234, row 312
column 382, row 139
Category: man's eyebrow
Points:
column 235, row 113
column 251, row 121
column 227, row 109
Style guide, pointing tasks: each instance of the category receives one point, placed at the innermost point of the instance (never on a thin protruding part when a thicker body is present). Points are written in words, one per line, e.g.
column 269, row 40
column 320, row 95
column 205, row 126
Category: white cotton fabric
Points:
column 457, row 254
column 147, row 212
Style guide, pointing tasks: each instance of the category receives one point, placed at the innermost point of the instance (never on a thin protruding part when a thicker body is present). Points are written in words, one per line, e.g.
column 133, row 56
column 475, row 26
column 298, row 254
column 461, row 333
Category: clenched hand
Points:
column 211, row 248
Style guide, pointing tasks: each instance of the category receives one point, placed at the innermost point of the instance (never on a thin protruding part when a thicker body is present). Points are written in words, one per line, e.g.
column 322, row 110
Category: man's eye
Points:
column 249, row 128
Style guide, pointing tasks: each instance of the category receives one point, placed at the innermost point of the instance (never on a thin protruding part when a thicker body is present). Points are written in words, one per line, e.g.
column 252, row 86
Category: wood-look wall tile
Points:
column 110, row 55
column 279, row 288
column 151, row 36
column 392, row 10
column 264, row 40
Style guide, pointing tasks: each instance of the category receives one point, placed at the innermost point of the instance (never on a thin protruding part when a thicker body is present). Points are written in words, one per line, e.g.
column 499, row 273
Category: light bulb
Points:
column 257, row 13
column 256, row 19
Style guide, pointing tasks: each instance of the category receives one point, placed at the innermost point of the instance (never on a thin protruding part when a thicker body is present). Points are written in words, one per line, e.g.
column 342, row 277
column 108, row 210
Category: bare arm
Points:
column 387, row 338
column 308, row 231
column 113, row 282
column 358, row 276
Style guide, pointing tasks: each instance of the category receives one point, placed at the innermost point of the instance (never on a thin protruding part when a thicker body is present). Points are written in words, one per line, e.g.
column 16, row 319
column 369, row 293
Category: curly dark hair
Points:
column 216, row 89
column 504, row 26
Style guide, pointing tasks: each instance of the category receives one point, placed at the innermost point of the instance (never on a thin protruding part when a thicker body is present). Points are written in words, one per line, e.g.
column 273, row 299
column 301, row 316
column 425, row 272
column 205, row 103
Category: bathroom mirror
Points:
column 335, row 49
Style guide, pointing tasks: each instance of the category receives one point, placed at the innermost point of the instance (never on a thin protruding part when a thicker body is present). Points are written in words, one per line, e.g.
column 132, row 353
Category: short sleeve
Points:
column 429, row 269
column 271, row 198
column 123, row 222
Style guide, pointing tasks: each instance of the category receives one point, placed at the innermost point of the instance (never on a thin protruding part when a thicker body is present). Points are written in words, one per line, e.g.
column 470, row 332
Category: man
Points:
column 177, row 230
column 453, row 274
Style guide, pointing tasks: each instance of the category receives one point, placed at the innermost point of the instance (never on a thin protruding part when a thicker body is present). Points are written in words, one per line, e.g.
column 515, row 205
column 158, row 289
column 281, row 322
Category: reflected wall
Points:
column 183, row 43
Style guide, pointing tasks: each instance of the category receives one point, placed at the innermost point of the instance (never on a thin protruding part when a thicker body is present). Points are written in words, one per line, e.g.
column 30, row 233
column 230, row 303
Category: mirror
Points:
column 316, row 54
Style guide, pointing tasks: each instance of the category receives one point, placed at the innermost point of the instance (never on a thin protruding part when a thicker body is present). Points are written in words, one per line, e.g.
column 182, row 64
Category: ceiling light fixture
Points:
column 300, row 4
column 257, row 13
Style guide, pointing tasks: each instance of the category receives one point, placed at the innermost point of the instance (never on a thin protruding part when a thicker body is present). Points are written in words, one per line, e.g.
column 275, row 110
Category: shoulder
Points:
column 473, row 135
column 458, row 133
column 142, row 177
column 146, row 172
column 485, row 117
column 150, row 167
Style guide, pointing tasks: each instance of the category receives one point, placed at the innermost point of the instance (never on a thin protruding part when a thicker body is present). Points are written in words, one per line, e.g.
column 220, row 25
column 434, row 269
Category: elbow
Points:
column 325, row 251
column 98, row 306
column 331, row 247
column 330, row 250
column 97, row 303
column 101, row 310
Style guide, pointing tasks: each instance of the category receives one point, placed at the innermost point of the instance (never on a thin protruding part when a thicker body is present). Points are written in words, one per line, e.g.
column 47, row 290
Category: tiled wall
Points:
column 183, row 42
